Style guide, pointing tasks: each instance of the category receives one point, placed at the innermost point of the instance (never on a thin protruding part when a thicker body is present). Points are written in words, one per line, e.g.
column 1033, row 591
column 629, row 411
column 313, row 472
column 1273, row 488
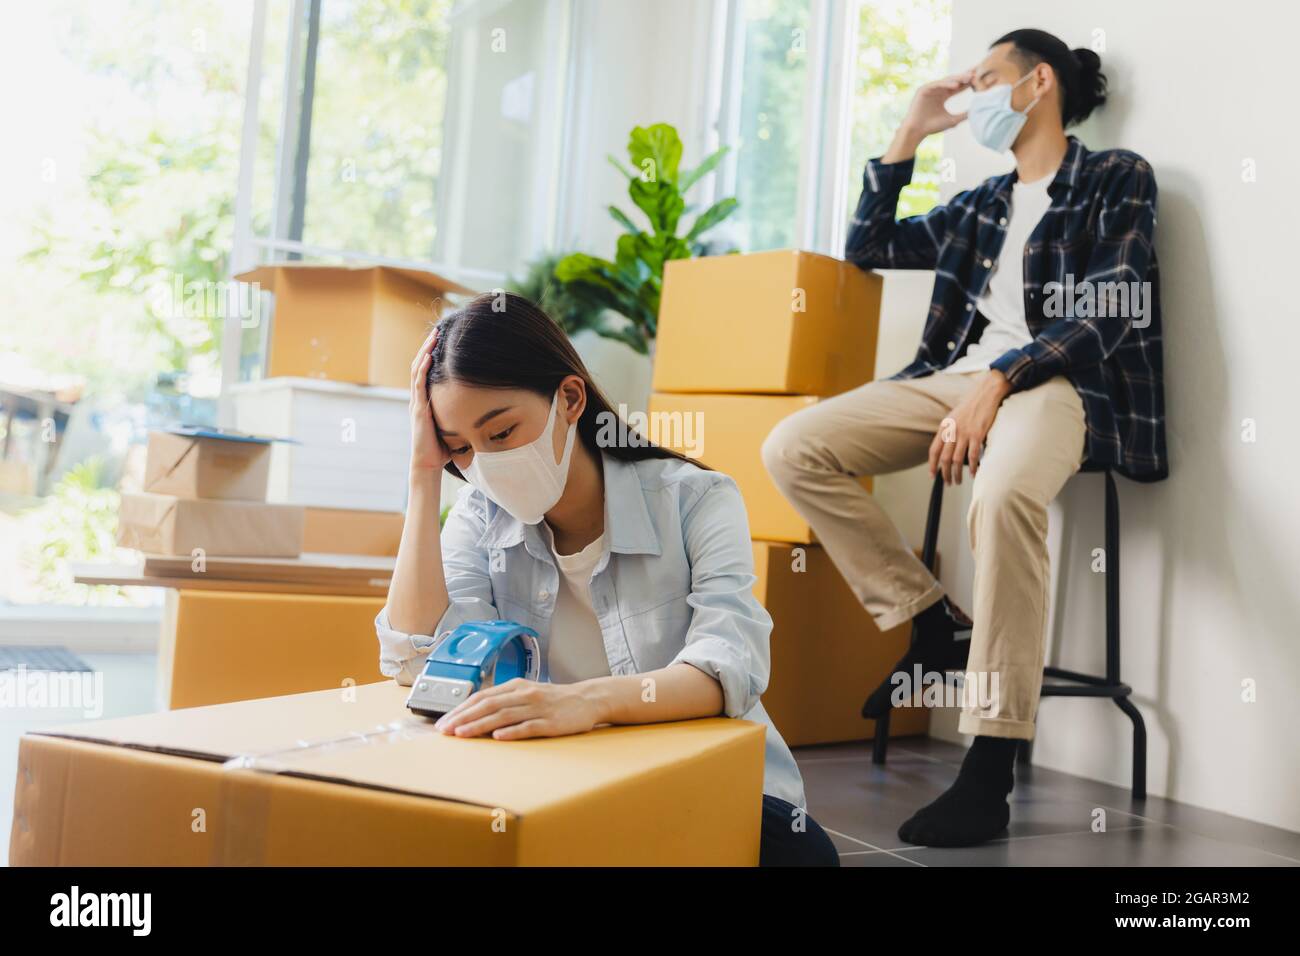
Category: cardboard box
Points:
column 165, row 524
column 779, row 322
column 731, row 430
column 207, row 465
column 333, row 779
column 222, row 646
column 352, row 443
column 359, row 325
column 343, row 531
column 827, row 653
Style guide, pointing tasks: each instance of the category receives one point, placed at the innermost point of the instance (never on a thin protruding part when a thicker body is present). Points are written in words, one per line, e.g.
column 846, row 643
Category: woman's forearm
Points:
column 417, row 595
column 679, row 692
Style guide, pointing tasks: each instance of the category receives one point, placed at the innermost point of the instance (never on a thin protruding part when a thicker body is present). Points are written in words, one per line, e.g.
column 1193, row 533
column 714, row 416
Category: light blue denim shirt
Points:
column 674, row 584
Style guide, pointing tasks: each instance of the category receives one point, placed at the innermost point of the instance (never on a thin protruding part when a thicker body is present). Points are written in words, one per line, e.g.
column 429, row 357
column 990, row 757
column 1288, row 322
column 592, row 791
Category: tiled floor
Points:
column 862, row 805
column 1052, row 816
column 128, row 689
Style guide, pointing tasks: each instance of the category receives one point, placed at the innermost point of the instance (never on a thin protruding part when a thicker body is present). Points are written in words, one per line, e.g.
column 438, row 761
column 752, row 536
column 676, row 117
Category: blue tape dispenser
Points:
column 477, row 654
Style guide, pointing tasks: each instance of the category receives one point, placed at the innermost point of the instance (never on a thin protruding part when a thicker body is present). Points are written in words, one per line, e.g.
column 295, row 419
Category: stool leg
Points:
column 881, row 741
column 1139, row 746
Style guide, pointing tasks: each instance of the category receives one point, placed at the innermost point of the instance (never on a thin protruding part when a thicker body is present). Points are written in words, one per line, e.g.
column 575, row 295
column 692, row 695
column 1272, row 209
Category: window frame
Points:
column 249, row 250
column 822, row 205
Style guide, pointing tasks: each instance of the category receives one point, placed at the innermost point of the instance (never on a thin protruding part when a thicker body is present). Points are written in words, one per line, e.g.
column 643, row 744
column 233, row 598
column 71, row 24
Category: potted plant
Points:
column 632, row 282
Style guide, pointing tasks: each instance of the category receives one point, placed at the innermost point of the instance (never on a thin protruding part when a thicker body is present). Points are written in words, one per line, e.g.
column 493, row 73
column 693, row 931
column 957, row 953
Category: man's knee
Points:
column 1002, row 500
column 784, row 449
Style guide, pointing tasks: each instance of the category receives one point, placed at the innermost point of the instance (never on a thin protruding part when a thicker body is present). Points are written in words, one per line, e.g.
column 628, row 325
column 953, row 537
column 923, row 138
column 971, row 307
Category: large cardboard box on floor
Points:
column 726, row 432
column 360, row 325
column 786, row 322
column 827, row 653
column 221, row 646
column 352, row 778
column 203, row 464
column 165, row 524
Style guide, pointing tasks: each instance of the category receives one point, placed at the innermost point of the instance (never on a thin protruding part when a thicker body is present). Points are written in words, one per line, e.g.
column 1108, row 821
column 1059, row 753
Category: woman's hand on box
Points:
column 522, row 708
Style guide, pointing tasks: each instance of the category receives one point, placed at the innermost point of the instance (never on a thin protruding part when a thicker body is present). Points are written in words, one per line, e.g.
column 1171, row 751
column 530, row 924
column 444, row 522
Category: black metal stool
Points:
column 1071, row 683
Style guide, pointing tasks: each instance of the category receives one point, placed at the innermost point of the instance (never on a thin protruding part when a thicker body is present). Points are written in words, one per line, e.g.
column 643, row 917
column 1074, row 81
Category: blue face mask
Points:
column 993, row 122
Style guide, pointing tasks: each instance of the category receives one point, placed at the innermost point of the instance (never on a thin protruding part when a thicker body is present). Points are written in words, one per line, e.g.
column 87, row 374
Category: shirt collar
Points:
column 628, row 525
column 1067, row 174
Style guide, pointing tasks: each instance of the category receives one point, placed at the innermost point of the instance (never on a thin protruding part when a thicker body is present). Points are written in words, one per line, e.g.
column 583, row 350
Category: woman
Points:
column 630, row 561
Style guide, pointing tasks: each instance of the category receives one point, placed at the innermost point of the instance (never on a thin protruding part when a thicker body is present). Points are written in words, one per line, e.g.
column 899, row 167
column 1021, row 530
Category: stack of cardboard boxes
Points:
column 745, row 341
column 204, row 496
column 338, row 366
column 338, row 347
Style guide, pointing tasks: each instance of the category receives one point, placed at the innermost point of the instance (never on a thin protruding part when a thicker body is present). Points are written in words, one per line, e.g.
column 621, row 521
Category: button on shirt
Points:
column 673, row 584
column 1091, row 281
column 1003, row 301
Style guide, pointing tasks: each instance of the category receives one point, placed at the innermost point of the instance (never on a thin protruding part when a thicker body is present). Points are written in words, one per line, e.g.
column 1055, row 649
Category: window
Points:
column 389, row 109
column 771, row 69
column 124, row 164
column 373, row 96
column 420, row 133
column 811, row 89
column 901, row 44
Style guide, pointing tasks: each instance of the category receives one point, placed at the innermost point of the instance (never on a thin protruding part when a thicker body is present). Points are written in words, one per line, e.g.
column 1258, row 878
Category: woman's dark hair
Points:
column 1083, row 85
column 502, row 340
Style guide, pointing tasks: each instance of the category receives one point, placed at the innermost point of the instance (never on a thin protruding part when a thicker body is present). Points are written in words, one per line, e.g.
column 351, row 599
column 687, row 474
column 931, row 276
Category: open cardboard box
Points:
column 350, row 777
column 348, row 323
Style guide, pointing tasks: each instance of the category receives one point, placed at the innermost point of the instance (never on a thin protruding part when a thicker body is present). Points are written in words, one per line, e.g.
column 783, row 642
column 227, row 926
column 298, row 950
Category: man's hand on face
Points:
column 927, row 114
column 960, row 438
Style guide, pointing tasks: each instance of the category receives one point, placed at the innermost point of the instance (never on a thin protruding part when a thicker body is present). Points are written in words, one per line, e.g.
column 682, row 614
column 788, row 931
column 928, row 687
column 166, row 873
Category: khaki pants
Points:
column 1036, row 443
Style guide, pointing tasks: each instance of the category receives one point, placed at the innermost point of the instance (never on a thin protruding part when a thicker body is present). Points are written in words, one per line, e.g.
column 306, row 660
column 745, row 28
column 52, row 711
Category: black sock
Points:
column 974, row 809
column 933, row 617
column 934, row 649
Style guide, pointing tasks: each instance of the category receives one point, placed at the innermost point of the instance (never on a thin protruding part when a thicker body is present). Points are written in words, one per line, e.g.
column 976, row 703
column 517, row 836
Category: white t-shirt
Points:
column 577, row 649
column 1003, row 301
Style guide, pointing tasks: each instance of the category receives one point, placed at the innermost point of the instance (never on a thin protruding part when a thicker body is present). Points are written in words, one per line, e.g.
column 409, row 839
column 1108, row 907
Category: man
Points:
column 1041, row 352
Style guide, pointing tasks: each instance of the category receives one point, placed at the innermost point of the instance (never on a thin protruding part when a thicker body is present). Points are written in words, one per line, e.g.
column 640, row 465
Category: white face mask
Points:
column 992, row 120
column 526, row 481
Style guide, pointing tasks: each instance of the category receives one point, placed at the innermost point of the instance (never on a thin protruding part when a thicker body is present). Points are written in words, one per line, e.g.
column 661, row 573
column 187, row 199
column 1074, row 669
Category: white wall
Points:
column 1211, row 557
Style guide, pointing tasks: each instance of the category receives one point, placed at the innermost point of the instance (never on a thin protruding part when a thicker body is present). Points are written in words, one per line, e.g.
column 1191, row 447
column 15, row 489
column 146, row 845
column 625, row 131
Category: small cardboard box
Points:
column 165, row 524
column 217, row 647
column 345, row 531
column 351, row 778
column 207, row 465
column 827, row 653
column 782, row 322
column 360, row 325
column 728, row 432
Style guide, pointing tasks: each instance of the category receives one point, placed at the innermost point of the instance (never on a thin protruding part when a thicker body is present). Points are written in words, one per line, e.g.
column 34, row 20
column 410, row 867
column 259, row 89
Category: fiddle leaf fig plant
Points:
column 630, row 284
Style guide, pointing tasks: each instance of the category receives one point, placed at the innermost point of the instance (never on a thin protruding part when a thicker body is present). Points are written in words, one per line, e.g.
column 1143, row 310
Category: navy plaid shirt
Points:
column 1092, row 289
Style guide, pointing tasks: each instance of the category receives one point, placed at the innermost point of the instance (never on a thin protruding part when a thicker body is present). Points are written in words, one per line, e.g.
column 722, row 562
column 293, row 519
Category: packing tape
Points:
column 246, row 798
